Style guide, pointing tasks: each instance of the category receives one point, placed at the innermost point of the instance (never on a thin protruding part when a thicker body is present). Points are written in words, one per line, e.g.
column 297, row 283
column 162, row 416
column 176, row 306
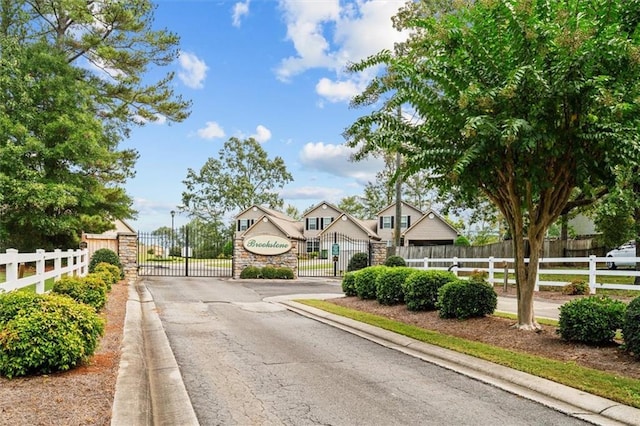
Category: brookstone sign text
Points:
column 269, row 245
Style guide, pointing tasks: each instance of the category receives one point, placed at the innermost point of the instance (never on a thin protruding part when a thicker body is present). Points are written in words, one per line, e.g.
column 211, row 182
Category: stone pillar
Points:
column 243, row 258
column 378, row 253
column 128, row 253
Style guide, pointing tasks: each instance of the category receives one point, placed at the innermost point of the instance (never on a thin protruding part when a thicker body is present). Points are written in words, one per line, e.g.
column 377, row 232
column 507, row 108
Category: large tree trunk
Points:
column 525, row 279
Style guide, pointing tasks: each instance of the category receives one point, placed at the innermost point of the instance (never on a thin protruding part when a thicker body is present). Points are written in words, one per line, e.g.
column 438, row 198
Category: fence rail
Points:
column 496, row 265
column 46, row 265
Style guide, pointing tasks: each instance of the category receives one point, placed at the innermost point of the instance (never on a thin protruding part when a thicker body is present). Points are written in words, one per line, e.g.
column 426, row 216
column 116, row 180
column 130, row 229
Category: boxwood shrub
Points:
column 72, row 333
column 631, row 327
column 106, row 256
column 395, row 261
column 251, row 272
column 90, row 290
column 389, row 285
column 421, row 288
column 591, row 320
column 366, row 281
column 466, row 299
column 349, row 284
column 113, row 270
column 358, row 261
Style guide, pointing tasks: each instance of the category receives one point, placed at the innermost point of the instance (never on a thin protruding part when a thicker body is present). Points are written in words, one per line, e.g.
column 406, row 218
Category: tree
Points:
column 59, row 170
column 117, row 40
column 240, row 177
column 293, row 212
column 520, row 100
column 352, row 204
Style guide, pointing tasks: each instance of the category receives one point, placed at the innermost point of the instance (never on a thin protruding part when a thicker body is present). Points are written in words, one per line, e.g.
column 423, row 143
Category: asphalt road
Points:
column 248, row 362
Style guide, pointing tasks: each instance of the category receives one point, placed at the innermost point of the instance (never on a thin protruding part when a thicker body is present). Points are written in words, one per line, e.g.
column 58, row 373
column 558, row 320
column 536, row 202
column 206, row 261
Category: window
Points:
column 326, row 221
column 311, row 223
column 244, row 224
column 386, row 222
column 313, row 246
column 405, row 222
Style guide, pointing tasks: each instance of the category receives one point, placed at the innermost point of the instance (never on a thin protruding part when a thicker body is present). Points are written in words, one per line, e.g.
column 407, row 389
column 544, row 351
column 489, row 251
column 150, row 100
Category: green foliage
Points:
column 90, row 290
column 284, row 273
column 269, row 273
column 395, row 261
column 239, row 176
column 111, row 269
column 631, row 327
column 105, row 256
column 358, row 261
column 421, row 288
column 349, row 284
column 366, row 281
column 591, row 320
column 466, row 299
column 576, row 287
column 389, row 285
column 227, row 250
column 461, row 240
column 72, row 333
column 251, row 272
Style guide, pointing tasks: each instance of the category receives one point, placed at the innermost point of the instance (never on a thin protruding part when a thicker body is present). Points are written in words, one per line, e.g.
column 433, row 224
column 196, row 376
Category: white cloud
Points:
column 335, row 160
column 312, row 193
column 239, row 10
column 194, row 70
column 330, row 35
column 211, row 130
column 262, row 134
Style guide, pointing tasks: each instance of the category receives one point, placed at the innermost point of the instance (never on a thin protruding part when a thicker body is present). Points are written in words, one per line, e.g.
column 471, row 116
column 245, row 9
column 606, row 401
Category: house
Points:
column 429, row 230
column 386, row 220
column 248, row 217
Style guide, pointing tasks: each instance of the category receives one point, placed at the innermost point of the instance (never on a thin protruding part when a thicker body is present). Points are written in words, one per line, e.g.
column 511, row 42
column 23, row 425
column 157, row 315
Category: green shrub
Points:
column 466, row 299
column 358, row 261
column 251, row 272
column 269, row 273
column 389, row 285
column 90, row 290
column 366, row 281
column 592, row 320
column 461, row 240
column 349, row 284
column 395, row 261
column 106, row 278
column 576, row 287
column 284, row 273
column 114, row 270
column 72, row 333
column 421, row 288
column 107, row 256
column 631, row 327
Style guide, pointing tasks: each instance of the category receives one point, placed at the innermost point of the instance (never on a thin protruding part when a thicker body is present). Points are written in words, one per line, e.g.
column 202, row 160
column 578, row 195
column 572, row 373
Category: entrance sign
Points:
column 268, row 245
column 335, row 249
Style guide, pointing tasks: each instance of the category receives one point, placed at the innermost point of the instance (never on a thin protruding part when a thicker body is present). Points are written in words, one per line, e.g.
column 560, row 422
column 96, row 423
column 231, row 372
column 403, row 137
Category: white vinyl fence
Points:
column 495, row 265
column 47, row 265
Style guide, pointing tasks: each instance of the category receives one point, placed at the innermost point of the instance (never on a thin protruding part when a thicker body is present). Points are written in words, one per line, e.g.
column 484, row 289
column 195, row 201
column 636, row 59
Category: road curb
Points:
column 573, row 402
column 149, row 387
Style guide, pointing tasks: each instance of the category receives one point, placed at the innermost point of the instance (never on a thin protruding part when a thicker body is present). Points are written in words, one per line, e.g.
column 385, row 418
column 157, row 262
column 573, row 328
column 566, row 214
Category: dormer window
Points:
column 386, row 222
column 311, row 223
column 244, row 224
column 326, row 221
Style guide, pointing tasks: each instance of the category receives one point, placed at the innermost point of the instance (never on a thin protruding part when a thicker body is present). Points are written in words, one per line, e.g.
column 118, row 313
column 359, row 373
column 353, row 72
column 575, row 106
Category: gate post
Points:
column 128, row 253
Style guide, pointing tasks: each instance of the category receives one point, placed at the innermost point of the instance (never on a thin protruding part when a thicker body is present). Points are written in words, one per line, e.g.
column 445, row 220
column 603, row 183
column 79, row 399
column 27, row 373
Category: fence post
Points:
column 70, row 262
column 57, row 264
column 537, row 286
column 40, row 271
column 454, row 267
column 12, row 266
column 491, row 270
column 84, row 260
column 426, row 263
column 592, row 274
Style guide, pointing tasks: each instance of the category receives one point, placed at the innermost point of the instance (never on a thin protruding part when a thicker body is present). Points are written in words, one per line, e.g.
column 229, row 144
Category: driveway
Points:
column 245, row 361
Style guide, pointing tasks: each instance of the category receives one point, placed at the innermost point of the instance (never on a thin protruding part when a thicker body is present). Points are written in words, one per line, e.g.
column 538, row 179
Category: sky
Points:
column 270, row 69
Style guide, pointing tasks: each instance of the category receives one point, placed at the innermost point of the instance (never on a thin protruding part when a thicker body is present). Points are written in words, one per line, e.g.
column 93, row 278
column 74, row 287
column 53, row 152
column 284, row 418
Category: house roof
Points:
column 292, row 230
column 426, row 215
column 320, row 204
column 402, row 202
column 368, row 227
column 269, row 212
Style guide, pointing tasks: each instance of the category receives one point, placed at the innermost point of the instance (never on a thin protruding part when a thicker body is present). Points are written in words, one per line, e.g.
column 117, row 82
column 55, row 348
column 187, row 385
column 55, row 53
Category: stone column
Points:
column 128, row 253
column 378, row 253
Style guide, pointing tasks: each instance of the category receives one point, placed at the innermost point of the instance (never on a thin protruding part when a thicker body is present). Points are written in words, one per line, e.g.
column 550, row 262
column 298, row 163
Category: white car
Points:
column 625, row 250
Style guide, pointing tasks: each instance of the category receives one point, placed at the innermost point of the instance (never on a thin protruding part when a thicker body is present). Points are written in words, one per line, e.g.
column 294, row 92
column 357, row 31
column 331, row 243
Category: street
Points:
column 248, row 362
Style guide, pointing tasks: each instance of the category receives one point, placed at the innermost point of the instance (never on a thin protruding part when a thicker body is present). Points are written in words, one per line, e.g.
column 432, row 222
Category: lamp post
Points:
column 173, row 213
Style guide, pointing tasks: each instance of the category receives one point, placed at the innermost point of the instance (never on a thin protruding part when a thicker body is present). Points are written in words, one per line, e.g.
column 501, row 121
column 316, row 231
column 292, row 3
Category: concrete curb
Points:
column 562, row 398
column 149, row 388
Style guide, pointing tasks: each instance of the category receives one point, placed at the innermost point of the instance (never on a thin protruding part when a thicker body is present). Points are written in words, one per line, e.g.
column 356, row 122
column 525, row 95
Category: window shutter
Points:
column 238, row 226
column 252, row 222
column 392, row 220
column 408, row 221
column 380, row 222
column 306, row 224
column 317, row 223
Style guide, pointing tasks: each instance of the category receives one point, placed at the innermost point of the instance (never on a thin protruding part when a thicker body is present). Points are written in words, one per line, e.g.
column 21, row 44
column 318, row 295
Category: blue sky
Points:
column 269, row 69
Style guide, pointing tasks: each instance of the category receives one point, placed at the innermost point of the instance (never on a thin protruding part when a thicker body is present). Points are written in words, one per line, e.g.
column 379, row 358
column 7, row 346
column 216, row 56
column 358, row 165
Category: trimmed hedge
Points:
column 72, row 333
column 591, row 320
column 366, row 281
column 358, row 261
column 349, row 284
column 466, row 299
column 106, row 256
column 267, row 272
column 251, row 272
column 631, row 327
column 113, row 270
column 394, row 260
column 90, row 290
column 389, row 285
column 421, row 288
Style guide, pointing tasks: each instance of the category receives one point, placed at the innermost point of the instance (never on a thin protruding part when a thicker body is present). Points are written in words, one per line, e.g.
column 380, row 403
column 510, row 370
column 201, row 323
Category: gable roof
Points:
column 292, row 230
column 368, row 227
column 426, row 215
column 312, row 208
column 401, row 202
column 269, row 212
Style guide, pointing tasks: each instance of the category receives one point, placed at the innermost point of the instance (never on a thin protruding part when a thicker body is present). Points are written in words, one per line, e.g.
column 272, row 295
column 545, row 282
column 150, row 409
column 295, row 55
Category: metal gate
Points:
column 184, row 252
column 328, row 255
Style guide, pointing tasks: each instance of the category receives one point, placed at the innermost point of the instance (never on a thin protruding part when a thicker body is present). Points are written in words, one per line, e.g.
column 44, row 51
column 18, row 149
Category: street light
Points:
column 173, row 213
